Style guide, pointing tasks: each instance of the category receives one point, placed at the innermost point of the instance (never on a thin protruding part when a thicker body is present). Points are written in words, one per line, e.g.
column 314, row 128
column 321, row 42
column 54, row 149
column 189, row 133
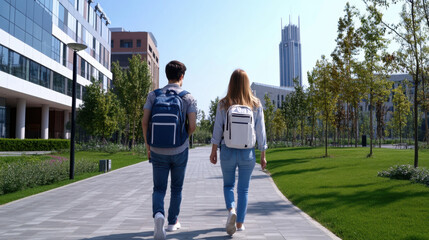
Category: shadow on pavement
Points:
column 181, row 234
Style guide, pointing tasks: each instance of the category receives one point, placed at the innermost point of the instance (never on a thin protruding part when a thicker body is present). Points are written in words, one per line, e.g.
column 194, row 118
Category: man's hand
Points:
column 148, row 151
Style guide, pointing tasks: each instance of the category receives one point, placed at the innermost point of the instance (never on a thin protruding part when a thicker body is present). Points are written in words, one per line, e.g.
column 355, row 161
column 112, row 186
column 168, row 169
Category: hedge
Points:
column 33, row 144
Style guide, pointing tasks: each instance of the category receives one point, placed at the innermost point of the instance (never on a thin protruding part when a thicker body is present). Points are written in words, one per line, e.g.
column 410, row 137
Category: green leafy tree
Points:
column 372, row 70
column 100, row 112
column 311, row 103
column 344, row 56
column 301, row 107
column 401, row 109
column 132, row 86
column 326, row 95
column 268, row 117
column 279, row 125
column 411, row 36
column 212, row 113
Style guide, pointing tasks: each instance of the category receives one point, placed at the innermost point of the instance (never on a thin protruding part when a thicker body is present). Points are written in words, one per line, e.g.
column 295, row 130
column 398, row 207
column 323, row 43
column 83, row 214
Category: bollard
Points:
column 105, row 165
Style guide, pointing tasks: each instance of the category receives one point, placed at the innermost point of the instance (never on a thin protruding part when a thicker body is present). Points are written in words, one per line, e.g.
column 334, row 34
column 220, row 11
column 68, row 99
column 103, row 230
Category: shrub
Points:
column 20, row 175
column 407, row 172
column 33, row 144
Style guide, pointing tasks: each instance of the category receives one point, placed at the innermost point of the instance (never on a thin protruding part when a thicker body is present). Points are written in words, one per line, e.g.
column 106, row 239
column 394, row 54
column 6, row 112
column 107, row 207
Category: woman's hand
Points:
column 263, row 160
column 213, row 155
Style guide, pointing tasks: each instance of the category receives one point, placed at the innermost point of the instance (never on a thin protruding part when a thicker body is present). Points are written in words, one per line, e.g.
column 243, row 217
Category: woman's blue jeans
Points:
column 162, row 165
column 230, row 160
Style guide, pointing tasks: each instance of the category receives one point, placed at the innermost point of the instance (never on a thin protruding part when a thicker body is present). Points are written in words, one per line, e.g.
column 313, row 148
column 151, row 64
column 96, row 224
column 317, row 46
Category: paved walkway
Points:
column 117, row 205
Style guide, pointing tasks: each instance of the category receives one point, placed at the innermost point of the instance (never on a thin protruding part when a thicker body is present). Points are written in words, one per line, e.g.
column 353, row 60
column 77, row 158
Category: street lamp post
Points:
column 76, row 47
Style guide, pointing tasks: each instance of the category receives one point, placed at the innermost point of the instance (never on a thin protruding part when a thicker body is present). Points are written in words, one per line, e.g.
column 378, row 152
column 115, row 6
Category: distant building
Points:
column 290, row 55
column 125, row 44
column 36, row 64
column 276, row 94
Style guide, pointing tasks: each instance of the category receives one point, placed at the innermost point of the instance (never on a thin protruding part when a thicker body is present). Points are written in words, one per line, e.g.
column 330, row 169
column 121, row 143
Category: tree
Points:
column 344, row 56
column 279, row 125
column 326, row 95
column 212, row 113
column 100, row 112
column 311, row 103
column 381, row 93
column 401, row 107
column 132, row 86
column 301, row 107
column 268, row 117
column 372, row 71
column 410, row 34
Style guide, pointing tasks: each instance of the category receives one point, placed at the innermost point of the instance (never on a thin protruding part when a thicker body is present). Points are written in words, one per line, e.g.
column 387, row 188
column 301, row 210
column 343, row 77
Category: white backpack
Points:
column 239, row 130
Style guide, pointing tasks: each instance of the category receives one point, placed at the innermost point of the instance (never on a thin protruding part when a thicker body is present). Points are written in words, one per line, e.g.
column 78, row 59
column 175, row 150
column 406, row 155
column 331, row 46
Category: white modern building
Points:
column 276, row 94
column 36, row 64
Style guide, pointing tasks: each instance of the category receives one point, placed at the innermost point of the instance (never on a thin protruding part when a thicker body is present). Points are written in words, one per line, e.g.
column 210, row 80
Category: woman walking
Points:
column 240, row 101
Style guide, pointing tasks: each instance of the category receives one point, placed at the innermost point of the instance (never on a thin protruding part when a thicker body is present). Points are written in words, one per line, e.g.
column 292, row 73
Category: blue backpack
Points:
column 167, row 122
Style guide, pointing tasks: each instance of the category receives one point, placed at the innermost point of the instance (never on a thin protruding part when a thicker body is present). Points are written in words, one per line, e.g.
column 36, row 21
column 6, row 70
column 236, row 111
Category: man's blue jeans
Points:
column 230, row 159
column 162, row 165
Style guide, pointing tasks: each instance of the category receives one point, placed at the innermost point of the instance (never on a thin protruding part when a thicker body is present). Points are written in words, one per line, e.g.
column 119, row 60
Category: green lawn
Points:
column 344, row 193
column 119, row 160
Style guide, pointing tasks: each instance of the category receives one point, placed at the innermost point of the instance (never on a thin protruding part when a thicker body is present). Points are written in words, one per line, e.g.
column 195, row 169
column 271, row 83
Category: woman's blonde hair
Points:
column 239, row 91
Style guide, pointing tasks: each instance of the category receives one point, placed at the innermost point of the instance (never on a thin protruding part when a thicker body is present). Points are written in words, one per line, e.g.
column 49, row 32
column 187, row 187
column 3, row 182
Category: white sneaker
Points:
column 230, row 222
column 242, row 228
column 174, row 227
column 159, row 231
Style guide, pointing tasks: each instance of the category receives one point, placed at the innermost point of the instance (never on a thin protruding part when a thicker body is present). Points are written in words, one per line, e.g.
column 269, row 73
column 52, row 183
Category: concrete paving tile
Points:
column 118, row 205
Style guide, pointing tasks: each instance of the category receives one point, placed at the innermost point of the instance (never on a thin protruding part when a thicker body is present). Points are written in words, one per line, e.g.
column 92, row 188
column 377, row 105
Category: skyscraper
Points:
column 290, row 55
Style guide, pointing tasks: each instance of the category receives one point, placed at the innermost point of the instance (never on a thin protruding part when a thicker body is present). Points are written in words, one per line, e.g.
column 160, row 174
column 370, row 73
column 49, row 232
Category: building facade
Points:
column 276, row 94
column 290, row 55
column 125, row 44
column 36, row 64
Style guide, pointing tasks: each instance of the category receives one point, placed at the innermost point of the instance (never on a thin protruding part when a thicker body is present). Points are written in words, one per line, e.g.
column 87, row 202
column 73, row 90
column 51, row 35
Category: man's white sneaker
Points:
column 159, row 231
column 242, row 228
column 230, row 222
column 174, row 227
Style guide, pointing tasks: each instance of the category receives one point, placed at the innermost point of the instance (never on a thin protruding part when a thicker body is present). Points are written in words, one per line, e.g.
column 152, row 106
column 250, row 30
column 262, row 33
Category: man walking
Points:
column 168, row 121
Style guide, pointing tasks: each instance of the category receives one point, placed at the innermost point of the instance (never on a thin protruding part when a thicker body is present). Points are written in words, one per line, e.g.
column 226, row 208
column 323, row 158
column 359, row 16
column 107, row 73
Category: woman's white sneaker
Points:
column 159, row 231
column 174, row 227
column 230, row 222
column 242, row 228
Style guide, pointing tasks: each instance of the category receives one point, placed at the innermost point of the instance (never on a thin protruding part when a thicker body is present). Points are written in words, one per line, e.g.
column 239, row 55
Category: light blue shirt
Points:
column 258, row 115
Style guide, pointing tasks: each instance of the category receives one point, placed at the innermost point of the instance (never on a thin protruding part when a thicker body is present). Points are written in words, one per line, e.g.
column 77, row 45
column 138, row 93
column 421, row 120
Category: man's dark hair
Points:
column 174, row 70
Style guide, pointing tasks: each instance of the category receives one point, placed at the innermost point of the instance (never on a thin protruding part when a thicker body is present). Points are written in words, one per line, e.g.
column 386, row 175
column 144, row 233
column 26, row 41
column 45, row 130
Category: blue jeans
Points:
column 230, row 159
column 162, row 165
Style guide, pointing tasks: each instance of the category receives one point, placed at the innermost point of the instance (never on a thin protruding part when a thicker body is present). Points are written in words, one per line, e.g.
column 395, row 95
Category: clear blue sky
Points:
column 215, row 37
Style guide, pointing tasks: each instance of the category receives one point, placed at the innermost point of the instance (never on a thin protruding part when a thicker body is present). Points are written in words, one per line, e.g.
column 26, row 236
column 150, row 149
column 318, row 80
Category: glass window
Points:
column 4, row 23
column 4, row 59
column 139, row 43
column 18, row 65
column 47, row 21
column 4, row 9
column 19, row 19
column 45, row 77
column 69, row 87
column 126, row 43
column 37, row 31
column 21, row 5
column 78, row 89
column 59, row 83
column 82, row 67
column 38, row 14
column 34, row 72
column 111, row 44
column 64, row 54
column 30, row 13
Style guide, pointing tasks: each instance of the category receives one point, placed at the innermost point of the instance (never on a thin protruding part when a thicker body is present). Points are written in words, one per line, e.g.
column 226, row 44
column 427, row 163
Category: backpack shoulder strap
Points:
column 183, row 93
column 158, row 92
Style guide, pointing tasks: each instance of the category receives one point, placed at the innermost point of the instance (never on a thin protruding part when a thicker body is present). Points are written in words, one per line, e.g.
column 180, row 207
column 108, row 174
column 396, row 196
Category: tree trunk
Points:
column 370, row 123
column 302, row 132
column 356, row 125
column 312, row 131
column 348, row 124
column 326, row 136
